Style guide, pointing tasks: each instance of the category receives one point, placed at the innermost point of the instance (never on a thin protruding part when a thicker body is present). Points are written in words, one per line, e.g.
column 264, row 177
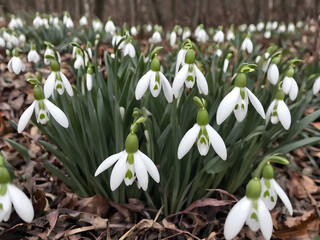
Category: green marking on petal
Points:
column 242, row 94
column 58, row 86
column 254, row 216
column 272, row 199
column 274, row 114
column 190, row 68
column 266, row 193
column 242, row 106
column 236, row 107
column 157, row 78
column 155, row 87
column 190, row 78
column 255, row 204
column 130, row 159
column 267, row 183
column 129, row 174
column 3, row 189
column 1, row 206
column 203, row 140
column 42, row 116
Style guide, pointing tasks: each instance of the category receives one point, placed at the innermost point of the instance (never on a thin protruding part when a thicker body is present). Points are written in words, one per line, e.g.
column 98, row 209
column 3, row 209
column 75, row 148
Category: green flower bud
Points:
column 190, row 57
column 55, row 66
column 276, row 60
column 290, row 72
column 279, row 95
column 38, row 92
column 155, row 64
column 132, row 143
column 15, row 53
column 89, row 70
column 4, row 175
column 267, row 172
column 241, row 80
column 202, row 117
column 253, row 189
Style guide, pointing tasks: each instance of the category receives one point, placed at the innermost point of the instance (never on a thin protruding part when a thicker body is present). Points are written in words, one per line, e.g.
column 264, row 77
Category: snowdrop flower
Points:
column 266, row 62
column 50, row 52
column 273, row 71
column 129, row 50
column 97, row 25
column 271, row 190
column 204, row 135
column 252, row 28
column 291, row 28
column 289, row 85
column 230, row 35
column 156, row 38
column 110, row 27
column 33, row 56
column 243, row 27
column 278, row 111
column 186, row 33
column 15, row 23
column 202, row 36
column 247, row 45
column 274, row 25
column 218, row 52
column 282, row 28
column 299, row 24
column 237, row 101
column 133, row 31
column 267, row 34
column 43, row 108
column 260, row 26
column 2, row 42
column 15, row 64
column 22, row 40
column 316, row 86
column 180, row 59
column 83, row 21
column 198, row 28
column 219, row 36
column 155, row 79
column 79, row 62
column 11, row 195
column 149, row 28
column 173, row 38
column 130, row 164
column 37, row 21
column 226, row 62
column 89, row 78
column 250, row 210
column 57, row 80
column 189, row 74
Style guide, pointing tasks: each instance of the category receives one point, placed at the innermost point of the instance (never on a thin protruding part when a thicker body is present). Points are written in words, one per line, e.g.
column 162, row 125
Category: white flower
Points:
column 57, row 80
column 89, row 81
column 149, row 28
column 173, row 39
column 225, row 65
column 252, row 212
column 204, row 136
column 180, row 59
column 129, row 168
column 270, row 189
column 37, row 21
column 189, row 74
column 247, row 45
column 243, row 27
column 69, row 23
column 155, row 79
column 282, row 28
column 273, row 74
column 156, row 38
column 129, row 50
column 83, row 21
column 110, row 27
column 267, row 34
column 291, row 28
column 218, row 52
column 22, row 40
column 33, row 56
column 42, row 108
column 2, row 42
column 278, row 110
column 15, row 65
column 274, row 25
column 218, row 37
column 252, row 28
column 299, row 24
column 133, row 31
column 202, row 36
column 21, row 203
column 50, row 52
column 289, row 86
column 316, row 86
column 186, row 34
column 97, row 25
column 230, row 35
column 237, row 101
column 260, row 26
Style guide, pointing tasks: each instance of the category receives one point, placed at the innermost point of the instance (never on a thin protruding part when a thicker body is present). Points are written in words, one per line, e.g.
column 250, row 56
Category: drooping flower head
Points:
column 219, row 36
column 289, row 85
column 247, row 44
column 316, row 86
column 271, row 189
column 203, row 135
column 155, row 80
column 11, row 195
column 33, row 55
column 15, row 64
column 238, row 99
column 273, row 71
column 278, row 111
column 43, row 108
column 189, row 74
column 131, row 164
column 250, row 210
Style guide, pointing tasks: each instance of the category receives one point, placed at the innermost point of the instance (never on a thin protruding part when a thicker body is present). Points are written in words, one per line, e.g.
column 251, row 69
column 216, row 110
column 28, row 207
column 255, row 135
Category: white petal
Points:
column 315, row 88
column 268, row 195
column 180, row 59
column 25, row 117
column 66, row 84
column 256, row 103
column 269, row 111
column 236, row 218
column 142, row 85
column 5, row 212
column 249, row 46
column 141, row 171
column 293, row 90
column 286, row 85
column 154, row 86
column 57, row 113
column 284, row 114
column 241, row 112
column 273, row 74
column 49, row 84
column 108, row 162
column 10, row 65
column 167, row 90
column 150, row 166
column 180, row 79
column 265, row 220
column 118, row 172
column 283, row 196
column 252, row 222
column 227, row 105
column 217, row 142
column 201, row 80
column 203, row 145
column 16, row 65
column 89, row 81
column 22, row 204
column 188, row 140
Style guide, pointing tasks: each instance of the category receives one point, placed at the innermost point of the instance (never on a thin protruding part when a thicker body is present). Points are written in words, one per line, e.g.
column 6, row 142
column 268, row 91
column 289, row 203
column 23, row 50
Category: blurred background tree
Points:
column 171, row 12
